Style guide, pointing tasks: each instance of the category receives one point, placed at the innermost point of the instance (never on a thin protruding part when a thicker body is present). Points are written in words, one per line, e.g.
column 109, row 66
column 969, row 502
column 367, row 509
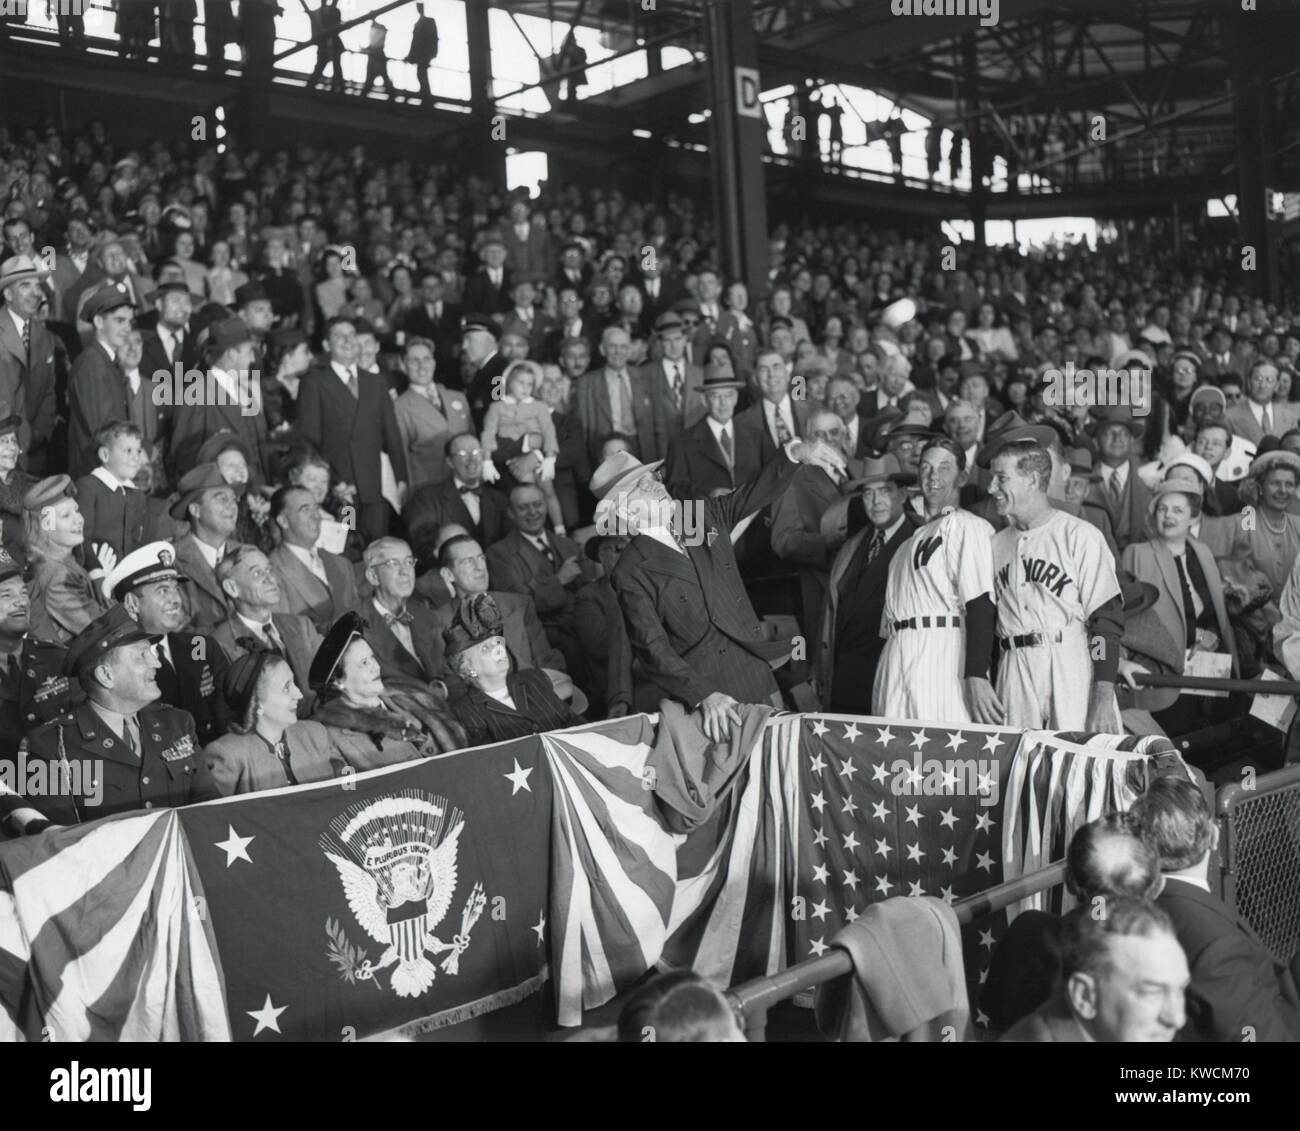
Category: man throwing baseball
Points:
column 939, row 614
column 1060, row 613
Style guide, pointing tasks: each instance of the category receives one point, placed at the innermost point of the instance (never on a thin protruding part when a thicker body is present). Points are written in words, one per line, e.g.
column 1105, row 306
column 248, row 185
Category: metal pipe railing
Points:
column 1205, row 683
column 754, row 999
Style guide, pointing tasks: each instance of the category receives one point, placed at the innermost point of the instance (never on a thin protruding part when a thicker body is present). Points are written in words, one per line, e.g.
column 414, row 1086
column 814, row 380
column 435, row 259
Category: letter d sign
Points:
column 747, row 92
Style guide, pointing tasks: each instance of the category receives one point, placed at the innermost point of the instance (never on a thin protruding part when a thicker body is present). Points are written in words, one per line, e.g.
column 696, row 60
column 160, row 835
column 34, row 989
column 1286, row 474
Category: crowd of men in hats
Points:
column 859, row 490
column 312, row 463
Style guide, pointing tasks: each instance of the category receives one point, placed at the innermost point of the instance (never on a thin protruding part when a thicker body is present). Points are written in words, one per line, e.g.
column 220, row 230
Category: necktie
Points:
column 1115, row 488
column 27, row 341
column 677, row 385
column 471, row 491
column 273, row 638
column 160, row 650
column 783, row 436
column 877, row 544
column 1267, row 422
column 728, row 449
column 547, row 549
column 404, row 617
column 130, row 736
column 353, row 388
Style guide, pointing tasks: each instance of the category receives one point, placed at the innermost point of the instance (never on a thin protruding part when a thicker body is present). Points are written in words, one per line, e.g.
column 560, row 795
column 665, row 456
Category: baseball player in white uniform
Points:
column 1060, row 613
column 939, row 616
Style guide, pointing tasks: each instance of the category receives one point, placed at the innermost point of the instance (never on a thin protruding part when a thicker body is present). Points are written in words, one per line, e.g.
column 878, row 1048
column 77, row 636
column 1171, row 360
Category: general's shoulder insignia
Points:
column 396, row 860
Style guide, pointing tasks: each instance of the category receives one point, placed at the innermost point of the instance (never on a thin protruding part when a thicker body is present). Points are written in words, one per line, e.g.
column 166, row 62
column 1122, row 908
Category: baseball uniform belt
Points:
column 1031, row 640
column 927, row 622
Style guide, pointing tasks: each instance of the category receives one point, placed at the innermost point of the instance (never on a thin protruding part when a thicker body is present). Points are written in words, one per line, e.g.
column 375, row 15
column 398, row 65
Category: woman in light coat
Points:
column 1190, row 602
column 267, row 747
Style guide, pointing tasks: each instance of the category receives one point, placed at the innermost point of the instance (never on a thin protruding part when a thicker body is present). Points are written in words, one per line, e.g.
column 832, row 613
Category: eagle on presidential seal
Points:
column 396, row 860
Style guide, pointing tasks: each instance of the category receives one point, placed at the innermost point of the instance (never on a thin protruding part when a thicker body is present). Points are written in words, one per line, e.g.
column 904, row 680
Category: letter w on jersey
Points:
column 924, row 550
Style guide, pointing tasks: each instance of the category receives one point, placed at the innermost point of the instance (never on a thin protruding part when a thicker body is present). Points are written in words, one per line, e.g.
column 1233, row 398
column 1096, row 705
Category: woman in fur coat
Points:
column 372, row 723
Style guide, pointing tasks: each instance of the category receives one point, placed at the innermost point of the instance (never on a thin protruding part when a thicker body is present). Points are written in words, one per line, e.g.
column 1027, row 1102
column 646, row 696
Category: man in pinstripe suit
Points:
column 688, row 616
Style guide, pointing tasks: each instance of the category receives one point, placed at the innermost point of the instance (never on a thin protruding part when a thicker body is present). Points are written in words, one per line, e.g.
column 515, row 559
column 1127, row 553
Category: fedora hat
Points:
column 203, row 477
column 1009, row 428
column 20, row 269
column 886, row 469
column 618, row 473
column 223, row 441
column 718, row 377
column 1106, row 415
column 1079, row 461
column 224, row 335
column 1138, row 595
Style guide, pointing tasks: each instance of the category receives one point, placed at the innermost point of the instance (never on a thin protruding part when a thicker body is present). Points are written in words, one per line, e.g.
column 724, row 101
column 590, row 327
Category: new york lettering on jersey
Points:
column 1037, row 571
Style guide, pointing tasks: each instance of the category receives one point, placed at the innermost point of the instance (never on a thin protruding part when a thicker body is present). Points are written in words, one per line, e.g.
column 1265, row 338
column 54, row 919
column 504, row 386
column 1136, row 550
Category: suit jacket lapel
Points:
column 197, row 568
column 305, row 583
column 1169, row 574
column 711, row 449
column 10, row 340
column 659, row 558
column 338, row 391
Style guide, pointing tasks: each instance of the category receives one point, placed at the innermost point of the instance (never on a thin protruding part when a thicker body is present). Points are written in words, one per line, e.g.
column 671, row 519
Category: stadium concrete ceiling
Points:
column 1144, row 64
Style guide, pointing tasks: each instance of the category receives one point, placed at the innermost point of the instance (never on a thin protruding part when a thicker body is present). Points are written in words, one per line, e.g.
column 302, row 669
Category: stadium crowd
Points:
column 310, row 461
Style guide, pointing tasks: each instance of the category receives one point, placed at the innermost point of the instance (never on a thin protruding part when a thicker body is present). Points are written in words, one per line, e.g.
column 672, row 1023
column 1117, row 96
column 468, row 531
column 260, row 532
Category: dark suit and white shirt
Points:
column 316, row 584
column 1254, row 421
column 724, row 435
column 780, row 421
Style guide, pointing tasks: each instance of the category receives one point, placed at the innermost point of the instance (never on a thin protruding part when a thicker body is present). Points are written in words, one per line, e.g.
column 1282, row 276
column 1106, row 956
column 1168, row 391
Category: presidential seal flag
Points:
column 407, row 900
column 396, row 859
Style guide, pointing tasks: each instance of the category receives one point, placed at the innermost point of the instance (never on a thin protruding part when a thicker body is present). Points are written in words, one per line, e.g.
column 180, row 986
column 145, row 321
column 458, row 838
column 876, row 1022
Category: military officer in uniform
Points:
column 119, row 751
column 33, row 688
column 148, row 585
